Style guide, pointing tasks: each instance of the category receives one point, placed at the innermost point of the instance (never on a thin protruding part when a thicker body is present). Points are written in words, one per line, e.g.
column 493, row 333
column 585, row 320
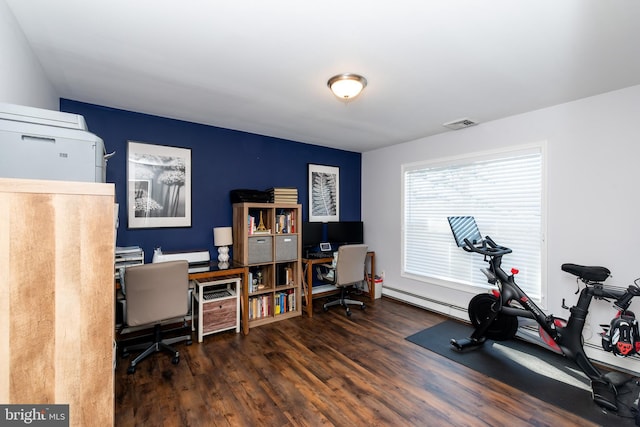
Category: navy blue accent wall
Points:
column 221, row 160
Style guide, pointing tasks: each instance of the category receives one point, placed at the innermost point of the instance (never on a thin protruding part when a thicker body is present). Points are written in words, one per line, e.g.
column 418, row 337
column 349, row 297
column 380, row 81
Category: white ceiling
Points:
column 262, row 66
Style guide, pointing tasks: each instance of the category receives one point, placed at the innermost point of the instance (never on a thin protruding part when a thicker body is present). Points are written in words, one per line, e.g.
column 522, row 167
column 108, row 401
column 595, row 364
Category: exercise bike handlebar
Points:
column 624, row 301
column 487, row 248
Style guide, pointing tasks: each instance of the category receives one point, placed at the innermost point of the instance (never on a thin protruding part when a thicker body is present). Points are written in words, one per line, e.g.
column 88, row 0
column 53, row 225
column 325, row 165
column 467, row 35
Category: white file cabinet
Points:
column 216, row 305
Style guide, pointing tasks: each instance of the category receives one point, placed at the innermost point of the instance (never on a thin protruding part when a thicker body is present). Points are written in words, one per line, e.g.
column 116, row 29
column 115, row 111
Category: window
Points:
column 502, row 190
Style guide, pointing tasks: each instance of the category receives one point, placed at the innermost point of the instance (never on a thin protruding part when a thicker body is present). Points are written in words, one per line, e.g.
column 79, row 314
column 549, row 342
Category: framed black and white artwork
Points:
column 324, row 193
column 158, row 186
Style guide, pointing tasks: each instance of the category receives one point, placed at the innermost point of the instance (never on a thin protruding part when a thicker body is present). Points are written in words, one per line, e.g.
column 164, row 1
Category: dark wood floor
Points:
column 327, row 370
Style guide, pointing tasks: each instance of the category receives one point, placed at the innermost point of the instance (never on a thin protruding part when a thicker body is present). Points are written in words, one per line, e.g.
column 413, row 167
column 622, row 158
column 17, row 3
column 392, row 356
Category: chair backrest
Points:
column 156, row 292
column 350, row 266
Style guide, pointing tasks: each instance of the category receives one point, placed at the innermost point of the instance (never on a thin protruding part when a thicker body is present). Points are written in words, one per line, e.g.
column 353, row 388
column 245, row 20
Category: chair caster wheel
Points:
column 125, row 354
column 131, row 370
column 325, row 309
column 362, row 307
column 189, row 342
column 349, row 313
column 175, row 360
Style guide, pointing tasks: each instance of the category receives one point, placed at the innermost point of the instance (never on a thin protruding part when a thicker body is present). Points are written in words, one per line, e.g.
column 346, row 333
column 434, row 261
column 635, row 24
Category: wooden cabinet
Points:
column 267, row 240
column 57, row 297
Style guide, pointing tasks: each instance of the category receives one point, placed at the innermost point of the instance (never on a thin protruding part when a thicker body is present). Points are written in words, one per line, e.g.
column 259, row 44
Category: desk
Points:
column 213, row 271
column 234, row 270
column 307, row 281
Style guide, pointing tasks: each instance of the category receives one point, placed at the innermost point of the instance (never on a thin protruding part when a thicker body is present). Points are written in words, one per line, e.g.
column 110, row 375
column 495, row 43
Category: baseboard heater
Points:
column 427, row 303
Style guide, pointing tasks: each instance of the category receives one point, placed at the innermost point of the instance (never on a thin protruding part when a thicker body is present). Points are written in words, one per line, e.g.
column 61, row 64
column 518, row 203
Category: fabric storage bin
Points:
column 286, row 247
column 260, row 249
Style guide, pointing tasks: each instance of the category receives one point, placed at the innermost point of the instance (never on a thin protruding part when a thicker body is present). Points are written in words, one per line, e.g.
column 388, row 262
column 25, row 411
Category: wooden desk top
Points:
column 214, row 269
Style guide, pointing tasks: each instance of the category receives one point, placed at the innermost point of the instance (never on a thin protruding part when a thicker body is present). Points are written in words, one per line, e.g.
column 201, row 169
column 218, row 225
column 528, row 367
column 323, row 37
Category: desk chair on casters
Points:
column 349, row 270
column 156, row 293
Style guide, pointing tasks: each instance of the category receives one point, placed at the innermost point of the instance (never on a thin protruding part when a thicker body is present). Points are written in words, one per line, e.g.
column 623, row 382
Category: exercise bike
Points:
column 495, row 315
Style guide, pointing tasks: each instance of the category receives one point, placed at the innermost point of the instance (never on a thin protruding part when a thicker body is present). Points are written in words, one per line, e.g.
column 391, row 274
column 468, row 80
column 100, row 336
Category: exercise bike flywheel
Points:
column 503, row 327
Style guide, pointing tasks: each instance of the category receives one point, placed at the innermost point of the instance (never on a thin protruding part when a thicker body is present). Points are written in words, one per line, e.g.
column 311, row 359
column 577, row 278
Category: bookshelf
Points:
column 266, row 239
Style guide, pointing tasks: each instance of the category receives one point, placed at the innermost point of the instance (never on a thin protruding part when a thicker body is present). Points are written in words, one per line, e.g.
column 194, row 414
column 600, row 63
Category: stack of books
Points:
column 285, row 221
column 284, row 195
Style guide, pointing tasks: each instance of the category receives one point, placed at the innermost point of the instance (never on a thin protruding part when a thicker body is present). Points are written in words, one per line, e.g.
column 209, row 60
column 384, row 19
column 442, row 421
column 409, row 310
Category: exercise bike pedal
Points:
column 466, row 344
column 605, row 395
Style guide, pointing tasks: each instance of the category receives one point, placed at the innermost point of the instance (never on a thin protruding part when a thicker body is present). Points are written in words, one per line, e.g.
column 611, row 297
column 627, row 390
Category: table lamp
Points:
column 223, row 238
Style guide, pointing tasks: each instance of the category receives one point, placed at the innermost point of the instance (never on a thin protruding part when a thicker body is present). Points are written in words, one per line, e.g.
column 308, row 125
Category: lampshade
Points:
column 222, row 236
column 347, row 86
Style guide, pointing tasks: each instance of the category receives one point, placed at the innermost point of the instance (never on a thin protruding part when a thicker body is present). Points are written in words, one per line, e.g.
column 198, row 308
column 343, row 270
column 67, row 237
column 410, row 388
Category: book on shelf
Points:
column 288, row 273
column 261, row 232
column 260, row 306
column 291, row 300
column 255, row 225
column 284, row 275
column 285, row 222
column 251, row 224
column 285, row 302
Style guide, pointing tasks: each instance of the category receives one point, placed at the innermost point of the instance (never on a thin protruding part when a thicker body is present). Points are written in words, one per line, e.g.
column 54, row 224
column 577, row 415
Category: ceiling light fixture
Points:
column 347, row 86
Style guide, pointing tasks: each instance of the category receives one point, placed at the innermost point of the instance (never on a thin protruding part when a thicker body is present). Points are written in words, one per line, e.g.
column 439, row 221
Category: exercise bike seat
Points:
column 591, row 274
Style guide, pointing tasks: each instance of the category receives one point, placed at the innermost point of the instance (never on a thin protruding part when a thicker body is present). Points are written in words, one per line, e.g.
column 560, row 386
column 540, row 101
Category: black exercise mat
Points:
column 539, row 372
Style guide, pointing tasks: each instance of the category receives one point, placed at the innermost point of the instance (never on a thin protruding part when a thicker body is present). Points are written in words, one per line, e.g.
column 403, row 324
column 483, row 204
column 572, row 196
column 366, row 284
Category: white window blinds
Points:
column 502, row 191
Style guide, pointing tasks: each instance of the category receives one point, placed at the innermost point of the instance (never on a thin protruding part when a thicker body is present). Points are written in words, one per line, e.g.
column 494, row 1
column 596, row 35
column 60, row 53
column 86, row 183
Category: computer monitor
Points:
column 345, row 232
column 311, row 234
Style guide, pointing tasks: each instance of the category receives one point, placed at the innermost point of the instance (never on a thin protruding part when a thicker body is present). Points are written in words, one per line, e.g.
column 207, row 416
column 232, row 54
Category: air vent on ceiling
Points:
column 460, row 124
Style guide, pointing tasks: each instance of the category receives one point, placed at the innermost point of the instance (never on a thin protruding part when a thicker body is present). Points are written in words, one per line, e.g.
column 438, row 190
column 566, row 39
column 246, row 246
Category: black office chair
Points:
column 348, row 271
column 155, row 293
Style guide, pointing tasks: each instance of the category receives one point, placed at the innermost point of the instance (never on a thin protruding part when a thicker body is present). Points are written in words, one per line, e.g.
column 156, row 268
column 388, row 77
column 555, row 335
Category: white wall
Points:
column 22, row 80
column 593, row 187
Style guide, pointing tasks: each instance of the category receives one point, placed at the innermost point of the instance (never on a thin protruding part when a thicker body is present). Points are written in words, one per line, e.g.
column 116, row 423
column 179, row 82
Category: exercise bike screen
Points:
column 464, row 227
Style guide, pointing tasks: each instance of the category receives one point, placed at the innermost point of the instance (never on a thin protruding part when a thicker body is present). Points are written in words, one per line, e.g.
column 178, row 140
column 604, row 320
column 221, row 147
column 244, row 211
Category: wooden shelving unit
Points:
column 266, row 239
